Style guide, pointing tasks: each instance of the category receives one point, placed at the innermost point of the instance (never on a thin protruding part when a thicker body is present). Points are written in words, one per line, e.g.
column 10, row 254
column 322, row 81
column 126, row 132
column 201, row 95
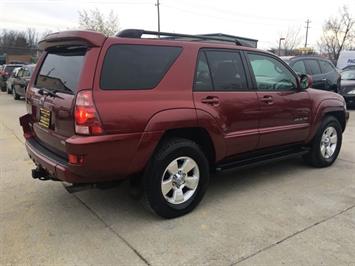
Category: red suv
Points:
column 170, row 110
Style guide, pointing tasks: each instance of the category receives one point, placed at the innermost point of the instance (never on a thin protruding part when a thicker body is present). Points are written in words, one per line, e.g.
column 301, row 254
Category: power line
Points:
column 224, row 17
column 231, row 12
column 307, row 27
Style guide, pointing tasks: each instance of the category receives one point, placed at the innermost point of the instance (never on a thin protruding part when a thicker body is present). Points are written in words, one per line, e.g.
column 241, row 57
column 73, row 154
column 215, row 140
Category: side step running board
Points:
column 262, row 159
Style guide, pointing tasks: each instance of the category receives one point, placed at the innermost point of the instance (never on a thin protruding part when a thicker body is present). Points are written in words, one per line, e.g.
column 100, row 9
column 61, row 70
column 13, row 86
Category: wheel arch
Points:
column 181, row 122
column 329, row 107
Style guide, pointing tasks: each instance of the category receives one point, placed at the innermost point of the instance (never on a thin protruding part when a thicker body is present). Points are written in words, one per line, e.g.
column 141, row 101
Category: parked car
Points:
column 350, row 67
column 5, row 73
column 10, row 80
column 348, row 86
column 169, row 111
column 21, row 81
column 323, row 72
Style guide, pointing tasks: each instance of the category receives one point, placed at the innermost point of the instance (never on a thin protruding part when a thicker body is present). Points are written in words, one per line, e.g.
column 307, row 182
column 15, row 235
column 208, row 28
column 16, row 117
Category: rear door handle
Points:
column 212, row 100
column 267, row 99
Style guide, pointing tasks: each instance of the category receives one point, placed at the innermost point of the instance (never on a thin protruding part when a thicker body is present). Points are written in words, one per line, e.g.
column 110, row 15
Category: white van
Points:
column 346, row 58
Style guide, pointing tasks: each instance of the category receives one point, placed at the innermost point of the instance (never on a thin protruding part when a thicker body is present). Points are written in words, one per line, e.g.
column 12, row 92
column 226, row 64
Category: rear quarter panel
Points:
column 147, row 112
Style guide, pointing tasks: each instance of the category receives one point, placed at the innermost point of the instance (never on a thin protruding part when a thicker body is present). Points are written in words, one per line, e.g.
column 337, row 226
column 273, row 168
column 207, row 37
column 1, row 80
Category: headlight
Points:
column 352, row 92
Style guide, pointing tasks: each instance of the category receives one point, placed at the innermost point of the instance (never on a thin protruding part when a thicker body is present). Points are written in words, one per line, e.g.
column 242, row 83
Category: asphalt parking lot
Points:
column 281, row 213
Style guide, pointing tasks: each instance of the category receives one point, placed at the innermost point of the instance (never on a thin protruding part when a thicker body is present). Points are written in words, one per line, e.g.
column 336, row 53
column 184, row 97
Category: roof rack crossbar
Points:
column 136, row 33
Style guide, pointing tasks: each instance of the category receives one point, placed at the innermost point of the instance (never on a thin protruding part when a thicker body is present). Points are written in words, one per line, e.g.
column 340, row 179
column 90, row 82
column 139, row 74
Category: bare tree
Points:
column 96, row 21
column 11, row 38
column 289, row 41
column 338, row 34
column 32, row 37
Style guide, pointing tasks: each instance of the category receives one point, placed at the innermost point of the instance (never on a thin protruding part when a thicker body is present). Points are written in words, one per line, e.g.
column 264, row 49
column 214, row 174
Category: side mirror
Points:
column 305, row 81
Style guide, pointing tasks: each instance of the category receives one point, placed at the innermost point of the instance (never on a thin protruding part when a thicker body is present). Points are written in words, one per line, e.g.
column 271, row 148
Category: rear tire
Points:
column 326, row 144
column 16, row 96
column 176, row 178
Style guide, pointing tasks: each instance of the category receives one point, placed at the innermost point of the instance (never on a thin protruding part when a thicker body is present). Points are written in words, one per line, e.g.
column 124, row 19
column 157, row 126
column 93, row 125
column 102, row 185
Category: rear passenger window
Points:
column 134, row 67
column 203, row 80
column 299, row 67
column 313, row 66
column 227, row 70
column 325, row 66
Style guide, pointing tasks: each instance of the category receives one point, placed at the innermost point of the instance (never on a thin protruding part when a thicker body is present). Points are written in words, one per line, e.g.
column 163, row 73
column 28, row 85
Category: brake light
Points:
column 87, row 121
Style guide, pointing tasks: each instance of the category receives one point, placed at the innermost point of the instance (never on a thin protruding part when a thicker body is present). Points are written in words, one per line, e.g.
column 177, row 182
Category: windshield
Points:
column 9, row 69
column 348, row 75
column 61, row 70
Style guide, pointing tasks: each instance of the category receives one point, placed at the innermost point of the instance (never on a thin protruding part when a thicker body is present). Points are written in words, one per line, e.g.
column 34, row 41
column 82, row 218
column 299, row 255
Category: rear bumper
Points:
column 100, row 162
column 106, row 158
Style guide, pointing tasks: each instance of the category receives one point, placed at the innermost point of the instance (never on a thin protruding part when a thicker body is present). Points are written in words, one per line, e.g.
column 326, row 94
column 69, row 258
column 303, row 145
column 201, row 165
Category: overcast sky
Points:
column 266, row 21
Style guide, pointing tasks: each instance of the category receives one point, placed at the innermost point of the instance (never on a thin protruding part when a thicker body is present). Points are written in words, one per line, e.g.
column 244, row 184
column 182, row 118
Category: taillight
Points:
column 87, row 121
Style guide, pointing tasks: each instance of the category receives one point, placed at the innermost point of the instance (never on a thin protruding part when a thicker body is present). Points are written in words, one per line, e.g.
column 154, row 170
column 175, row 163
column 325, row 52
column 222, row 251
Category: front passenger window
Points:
column 270, row 74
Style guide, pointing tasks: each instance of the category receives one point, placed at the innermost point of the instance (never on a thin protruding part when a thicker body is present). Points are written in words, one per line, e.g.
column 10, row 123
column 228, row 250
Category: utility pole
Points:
column 307, row 27
column 281, row 39
column 157, row 5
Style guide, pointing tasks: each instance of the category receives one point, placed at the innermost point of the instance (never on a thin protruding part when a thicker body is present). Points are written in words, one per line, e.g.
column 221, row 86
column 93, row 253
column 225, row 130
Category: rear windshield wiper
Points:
column 52, row 93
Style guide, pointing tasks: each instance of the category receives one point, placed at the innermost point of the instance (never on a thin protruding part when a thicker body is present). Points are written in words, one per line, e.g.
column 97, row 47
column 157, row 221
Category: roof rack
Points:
column 137, row 33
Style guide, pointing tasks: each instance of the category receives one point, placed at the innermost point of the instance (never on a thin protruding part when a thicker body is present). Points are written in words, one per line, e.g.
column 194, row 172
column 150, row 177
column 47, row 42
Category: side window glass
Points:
column 26, row 73
column 20, row 73
column 270, row 74
column 299, row 67
column 325, row 66
column 203, row 80
column 227, row 71
column 314, row 67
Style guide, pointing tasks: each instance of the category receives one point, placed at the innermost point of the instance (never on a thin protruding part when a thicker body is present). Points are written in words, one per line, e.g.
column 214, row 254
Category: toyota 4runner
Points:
column 170, row 109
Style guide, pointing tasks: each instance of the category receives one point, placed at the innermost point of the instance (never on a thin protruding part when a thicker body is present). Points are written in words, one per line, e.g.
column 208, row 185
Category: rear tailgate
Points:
column 66, row 66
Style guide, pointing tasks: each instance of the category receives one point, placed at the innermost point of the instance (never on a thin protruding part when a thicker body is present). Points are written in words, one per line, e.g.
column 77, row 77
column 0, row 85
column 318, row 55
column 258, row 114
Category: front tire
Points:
column 176, row 178
column 326, row 145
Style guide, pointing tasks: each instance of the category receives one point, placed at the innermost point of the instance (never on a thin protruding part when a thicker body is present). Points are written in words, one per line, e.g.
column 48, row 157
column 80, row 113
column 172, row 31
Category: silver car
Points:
column 10, row 80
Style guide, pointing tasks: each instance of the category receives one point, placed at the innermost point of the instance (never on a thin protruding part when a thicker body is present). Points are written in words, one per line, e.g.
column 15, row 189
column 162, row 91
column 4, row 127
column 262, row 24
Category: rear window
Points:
column 134, row 67
column 61, row 70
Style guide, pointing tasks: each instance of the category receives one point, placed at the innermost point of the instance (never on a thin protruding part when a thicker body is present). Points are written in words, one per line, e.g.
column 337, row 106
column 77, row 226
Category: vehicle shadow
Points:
column 116, row 203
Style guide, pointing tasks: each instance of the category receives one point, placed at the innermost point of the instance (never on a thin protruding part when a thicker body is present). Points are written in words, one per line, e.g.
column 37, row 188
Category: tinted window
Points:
column 313, row 67
column 270, row 74
column 325, row 66
column 299, row 67
column 9, row 69
column 130, row 67
column 61, row 71
column 227, row 70
column 202, row 76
